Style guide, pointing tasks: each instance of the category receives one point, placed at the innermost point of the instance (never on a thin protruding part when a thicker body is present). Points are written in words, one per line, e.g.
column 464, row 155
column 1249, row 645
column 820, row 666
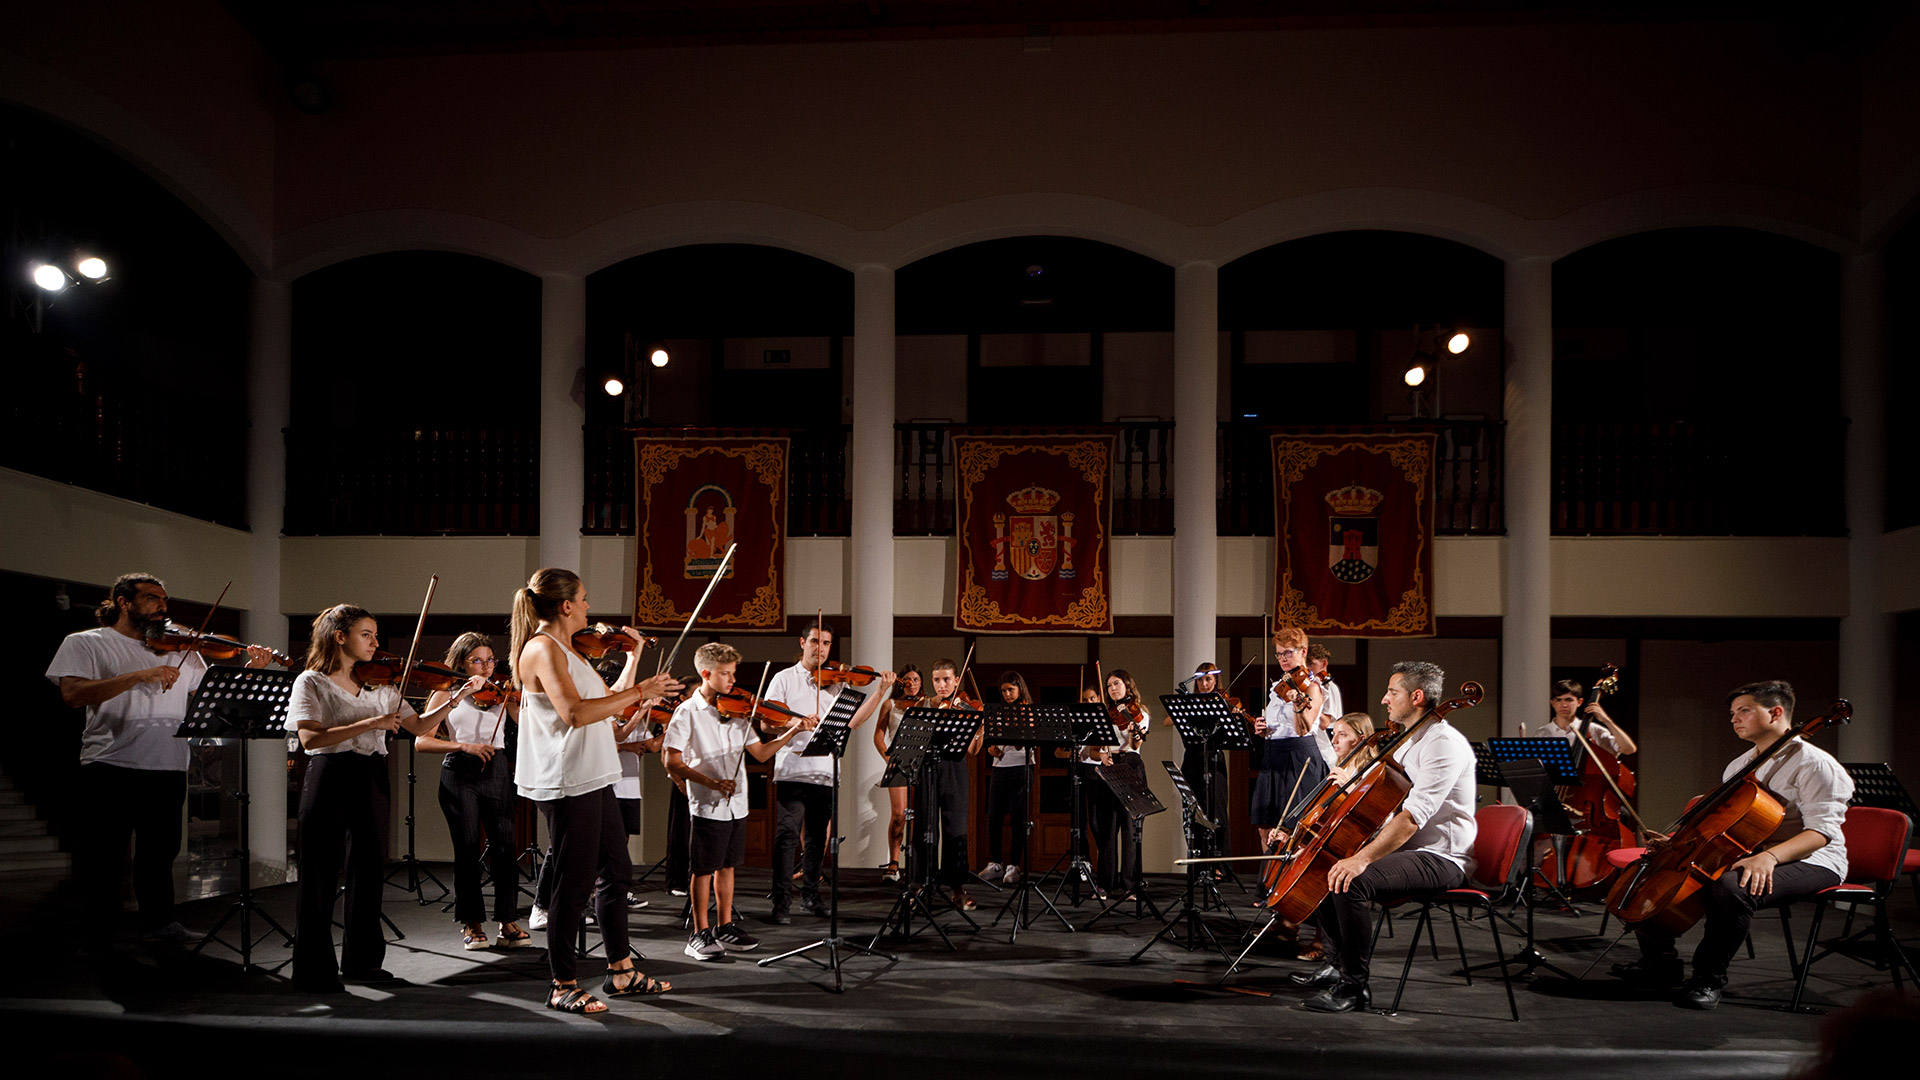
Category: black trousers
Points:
column 1007, row 804
column 344, row 809
column 479, row 812
column 1730, row 909
column 589, row 858
column 119, row 805
column 942, row 813
column 1114, row 831
column 1346, row 919
column 799, row 806
column 679, row 840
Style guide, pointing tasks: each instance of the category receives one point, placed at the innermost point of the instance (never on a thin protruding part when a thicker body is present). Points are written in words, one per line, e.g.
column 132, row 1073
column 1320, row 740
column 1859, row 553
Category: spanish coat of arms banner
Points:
column 1032, row 515
column 696, row 496
column 1353, row 547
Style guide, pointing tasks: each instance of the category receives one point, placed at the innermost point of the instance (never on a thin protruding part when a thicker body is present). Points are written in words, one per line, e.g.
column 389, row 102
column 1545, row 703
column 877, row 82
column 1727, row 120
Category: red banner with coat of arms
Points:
column 697, row 497
column 1354, row 536
column 1032, row 517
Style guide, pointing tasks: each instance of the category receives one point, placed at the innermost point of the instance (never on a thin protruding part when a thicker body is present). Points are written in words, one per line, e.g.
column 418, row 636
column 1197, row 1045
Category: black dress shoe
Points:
column 780, row 917
column 377, row 975
column 1342, row 997
column 812, row 902
column 1324, row 975
column 1651, row 974
column 1700, row 994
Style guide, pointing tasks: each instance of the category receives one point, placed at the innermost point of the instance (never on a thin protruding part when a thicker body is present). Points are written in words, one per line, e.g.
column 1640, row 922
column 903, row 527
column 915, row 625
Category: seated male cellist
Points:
column 1805, row 854
column 1426, row 846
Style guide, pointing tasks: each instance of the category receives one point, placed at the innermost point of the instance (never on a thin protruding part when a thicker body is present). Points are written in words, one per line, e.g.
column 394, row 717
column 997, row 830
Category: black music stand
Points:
column 1549, row 813
column 924, row 734
column 1533, row 787
column 1032, row 727
column 1090, row 727
column 1208, row 722
column 1186, row 911
column 410, row 863
column 1140, row 803
column 830, row 740
column 241, row 703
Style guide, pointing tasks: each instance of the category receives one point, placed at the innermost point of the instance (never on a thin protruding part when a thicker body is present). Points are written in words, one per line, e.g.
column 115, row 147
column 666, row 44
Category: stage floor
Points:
column 1064, row 1003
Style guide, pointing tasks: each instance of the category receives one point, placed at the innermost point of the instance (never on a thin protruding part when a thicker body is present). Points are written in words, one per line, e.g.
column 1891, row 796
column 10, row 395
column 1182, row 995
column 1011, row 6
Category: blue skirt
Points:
column 1291, row 770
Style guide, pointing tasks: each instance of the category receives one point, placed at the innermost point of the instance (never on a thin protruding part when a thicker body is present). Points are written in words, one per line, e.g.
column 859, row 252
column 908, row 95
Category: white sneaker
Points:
column 992, row 872
column 1011, row 877
column 537, row 920
column 676, row 891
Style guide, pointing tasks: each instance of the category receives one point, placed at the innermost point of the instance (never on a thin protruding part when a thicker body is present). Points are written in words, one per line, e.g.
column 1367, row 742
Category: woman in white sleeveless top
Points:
column 568, row 763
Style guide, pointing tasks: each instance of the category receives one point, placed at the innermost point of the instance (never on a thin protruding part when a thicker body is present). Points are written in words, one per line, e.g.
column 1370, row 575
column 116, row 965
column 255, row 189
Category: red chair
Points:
column 1876, row 857
column 1505, row 834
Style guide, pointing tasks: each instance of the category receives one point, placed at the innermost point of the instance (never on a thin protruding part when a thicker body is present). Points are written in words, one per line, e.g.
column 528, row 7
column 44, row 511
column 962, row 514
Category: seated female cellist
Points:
column 1805, row 854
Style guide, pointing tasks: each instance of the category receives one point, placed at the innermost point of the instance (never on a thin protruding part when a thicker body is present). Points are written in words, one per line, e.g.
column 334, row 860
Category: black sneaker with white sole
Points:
column 734, row 938
column 702, row 946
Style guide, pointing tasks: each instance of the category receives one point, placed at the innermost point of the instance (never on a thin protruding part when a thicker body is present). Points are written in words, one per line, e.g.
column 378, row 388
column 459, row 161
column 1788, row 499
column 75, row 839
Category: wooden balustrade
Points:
column 1142, row 475
column 1466, row 481
column 413, row 482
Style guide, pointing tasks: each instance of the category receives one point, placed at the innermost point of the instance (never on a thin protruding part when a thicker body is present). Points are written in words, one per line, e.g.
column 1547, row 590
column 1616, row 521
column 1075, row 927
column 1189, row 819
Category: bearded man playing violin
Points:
column 133, row 772
column 1805, row 854
column 1426, row 846
column 804, row 785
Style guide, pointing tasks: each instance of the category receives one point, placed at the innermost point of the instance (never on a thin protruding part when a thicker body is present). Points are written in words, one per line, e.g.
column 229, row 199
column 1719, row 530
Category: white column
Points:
column 1867, row 632
column 864, row 809
column 1526, row 633
column 563, row 459
column 1196, row 395
column 269, row 407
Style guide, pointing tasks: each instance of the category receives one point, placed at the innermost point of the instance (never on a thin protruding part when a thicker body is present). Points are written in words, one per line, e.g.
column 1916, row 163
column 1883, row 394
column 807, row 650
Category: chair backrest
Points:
column 1502, row 835
column 1876, row 843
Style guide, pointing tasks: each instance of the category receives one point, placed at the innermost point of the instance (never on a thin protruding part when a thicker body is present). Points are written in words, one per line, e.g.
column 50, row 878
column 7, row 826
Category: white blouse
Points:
column 318, row 701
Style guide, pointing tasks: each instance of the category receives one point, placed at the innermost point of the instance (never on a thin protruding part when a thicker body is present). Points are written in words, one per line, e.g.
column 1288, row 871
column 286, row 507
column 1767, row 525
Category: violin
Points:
column 959, row 699
column 739, row 705
column 385, row 669
column 493, row 694
column 596, row 641
column 176, row 638
column 836, row 671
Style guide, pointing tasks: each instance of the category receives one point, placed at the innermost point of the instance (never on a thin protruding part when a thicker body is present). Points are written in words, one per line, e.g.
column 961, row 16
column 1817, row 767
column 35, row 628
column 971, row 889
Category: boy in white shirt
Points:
column 707, row 750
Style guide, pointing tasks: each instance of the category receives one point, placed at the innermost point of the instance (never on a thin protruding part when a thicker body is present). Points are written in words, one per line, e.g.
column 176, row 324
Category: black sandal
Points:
column 573, row 1000
column 636, row 986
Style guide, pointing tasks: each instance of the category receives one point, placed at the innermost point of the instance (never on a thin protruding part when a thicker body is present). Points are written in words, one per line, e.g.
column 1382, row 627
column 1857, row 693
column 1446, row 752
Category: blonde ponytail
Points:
column 545, row 591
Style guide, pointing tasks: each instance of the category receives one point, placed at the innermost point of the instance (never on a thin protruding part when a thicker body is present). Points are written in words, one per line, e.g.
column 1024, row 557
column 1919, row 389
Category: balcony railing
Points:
column 1142, row 475
column 1467, row 479
column 817, row 497
column 1699, row 479
column 413, row 482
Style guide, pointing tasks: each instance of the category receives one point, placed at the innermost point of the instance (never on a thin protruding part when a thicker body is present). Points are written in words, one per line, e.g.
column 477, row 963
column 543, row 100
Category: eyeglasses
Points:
column 476, row 660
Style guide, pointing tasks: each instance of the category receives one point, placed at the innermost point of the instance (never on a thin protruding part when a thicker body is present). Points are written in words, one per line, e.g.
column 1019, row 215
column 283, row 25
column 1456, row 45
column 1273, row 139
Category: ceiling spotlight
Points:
column 1458, row 343
column 613, row 386
column 92, row 267
column 657, row 356
column 1416, row 375
column 50, row 278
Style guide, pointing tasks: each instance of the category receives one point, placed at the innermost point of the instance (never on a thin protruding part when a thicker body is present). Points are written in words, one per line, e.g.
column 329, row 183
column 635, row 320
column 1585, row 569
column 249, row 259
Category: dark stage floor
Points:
column 1060, row 1003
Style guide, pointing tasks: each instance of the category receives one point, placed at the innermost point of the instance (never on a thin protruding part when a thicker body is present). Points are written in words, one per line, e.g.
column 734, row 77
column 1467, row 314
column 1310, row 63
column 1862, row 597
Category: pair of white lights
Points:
column 657, row 356
column 53, row 278
column 1457, row 344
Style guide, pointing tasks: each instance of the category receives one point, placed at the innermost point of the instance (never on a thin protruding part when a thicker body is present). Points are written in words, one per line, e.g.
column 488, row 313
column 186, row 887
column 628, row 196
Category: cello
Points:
column 1601, row 801
column 1664, row 888
column 1344, row 817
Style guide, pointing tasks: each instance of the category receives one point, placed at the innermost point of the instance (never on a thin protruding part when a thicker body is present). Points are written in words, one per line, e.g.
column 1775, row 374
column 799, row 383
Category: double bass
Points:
column 1602, row 801
column 1664, row 888
column 1344, row 817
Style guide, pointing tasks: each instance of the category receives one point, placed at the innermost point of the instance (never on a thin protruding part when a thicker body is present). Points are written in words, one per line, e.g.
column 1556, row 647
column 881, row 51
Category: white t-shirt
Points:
column 1279, row 715
column 1814, row 789
column 712, row 745
column 133, row 730
column 628, row 786
column 468, row 723
column 794, row 687
column 1440, row 762
column 319, row 701
column 558, row 760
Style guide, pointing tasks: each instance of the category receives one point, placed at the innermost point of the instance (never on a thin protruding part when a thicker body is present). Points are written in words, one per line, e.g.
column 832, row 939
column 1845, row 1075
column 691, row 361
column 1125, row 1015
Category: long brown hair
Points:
column 540, row 601
column 1014, row 677
column 1362, row 725
column 324, row 654
column 463, row 647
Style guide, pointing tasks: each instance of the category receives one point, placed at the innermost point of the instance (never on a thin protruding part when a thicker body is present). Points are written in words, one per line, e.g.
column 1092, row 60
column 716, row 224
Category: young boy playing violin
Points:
column 803, row 786
column 1807, row 853
column 707, row 749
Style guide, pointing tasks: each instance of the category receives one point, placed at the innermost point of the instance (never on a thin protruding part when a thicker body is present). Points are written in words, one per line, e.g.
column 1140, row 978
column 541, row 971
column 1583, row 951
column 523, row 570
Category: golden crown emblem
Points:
column 1354, row 500
column 1033, row 500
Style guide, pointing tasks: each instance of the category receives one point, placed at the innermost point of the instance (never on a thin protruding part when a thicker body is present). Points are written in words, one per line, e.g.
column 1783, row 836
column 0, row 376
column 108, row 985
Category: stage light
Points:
column 92, row 267
column 1458, row 343
column 657, row 356
column 1416, row 375
column 50, row 278
column 613, row 386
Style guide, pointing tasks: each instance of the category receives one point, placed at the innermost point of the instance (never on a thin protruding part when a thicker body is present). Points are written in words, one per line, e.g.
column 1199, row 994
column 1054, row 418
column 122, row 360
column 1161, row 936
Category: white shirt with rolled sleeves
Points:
column 712, row 745
column 1814, row 789
column 133, row 730
column 794, row 687
column 1439, row 761
column 318, row 700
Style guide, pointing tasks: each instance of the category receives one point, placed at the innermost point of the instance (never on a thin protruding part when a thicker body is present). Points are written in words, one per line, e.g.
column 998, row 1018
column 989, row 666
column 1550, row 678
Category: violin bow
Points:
column 753, row 706
column 666, row 659
column 201, row 633
column 819, row 630
column 413, row 650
